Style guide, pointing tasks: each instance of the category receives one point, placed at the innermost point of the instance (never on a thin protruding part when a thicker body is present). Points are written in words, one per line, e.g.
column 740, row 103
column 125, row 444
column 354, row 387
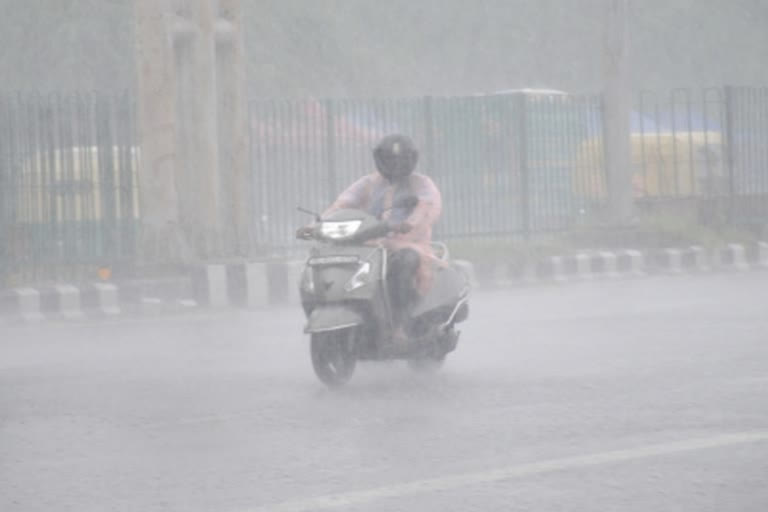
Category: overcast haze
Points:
column 401, row 47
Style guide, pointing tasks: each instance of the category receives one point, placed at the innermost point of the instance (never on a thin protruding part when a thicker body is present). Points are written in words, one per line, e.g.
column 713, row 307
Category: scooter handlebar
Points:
column 380, row 230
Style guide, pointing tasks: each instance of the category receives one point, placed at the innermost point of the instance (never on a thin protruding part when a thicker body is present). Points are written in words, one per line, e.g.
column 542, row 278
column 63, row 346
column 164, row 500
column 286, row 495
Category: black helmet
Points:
column 396, row 156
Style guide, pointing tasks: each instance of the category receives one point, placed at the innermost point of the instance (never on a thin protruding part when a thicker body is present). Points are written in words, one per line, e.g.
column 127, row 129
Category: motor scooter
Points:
column 345, row 297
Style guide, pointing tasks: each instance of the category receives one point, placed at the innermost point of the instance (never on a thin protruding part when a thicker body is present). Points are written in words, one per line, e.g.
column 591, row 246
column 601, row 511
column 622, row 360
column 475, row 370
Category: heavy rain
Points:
column 383, row 255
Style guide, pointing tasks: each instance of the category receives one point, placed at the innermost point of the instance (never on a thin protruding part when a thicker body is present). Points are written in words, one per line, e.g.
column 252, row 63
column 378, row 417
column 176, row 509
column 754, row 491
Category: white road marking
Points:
column 346, row 499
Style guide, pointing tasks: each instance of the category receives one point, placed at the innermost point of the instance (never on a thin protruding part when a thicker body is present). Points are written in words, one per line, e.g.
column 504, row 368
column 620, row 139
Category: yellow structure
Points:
column 664, row 164
column 66, row 184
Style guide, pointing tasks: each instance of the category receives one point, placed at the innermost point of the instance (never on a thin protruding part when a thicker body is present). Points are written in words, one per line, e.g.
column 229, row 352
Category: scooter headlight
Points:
column 338, row 230
column 360, row 278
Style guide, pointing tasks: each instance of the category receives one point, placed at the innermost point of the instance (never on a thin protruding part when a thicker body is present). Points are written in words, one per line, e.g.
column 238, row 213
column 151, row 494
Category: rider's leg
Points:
column 403, row 266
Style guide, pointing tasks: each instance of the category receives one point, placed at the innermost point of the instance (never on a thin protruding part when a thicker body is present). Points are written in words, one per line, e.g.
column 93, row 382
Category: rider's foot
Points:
column 399, row 337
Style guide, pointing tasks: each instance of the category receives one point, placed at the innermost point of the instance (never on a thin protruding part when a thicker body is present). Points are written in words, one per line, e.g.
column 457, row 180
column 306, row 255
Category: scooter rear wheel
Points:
column 334, row 356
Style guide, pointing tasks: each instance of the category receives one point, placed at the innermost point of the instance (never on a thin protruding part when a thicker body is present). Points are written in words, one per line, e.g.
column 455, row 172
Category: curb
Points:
column 258, row 285
column 630, row 263
column 92, row 301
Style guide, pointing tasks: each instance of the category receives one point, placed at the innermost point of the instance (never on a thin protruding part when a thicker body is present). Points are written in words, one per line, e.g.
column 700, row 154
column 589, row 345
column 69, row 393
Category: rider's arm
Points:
column 430, row 205
column 356, row 196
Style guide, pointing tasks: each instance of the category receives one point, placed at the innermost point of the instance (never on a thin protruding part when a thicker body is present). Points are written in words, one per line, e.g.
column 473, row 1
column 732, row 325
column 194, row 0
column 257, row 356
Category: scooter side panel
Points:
column 448, row 286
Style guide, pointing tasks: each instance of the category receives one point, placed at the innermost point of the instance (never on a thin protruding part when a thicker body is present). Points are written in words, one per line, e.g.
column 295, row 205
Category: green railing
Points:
column 68, row 177
column 506, row 164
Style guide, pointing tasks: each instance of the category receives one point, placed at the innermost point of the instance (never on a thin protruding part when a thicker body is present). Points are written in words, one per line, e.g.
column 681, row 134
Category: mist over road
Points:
column 625, row 396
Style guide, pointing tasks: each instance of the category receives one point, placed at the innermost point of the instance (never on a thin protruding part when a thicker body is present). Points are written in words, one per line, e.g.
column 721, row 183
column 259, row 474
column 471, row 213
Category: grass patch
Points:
column 652, row 232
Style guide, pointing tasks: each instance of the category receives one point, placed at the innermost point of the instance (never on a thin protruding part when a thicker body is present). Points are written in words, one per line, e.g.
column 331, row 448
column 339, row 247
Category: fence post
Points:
column 429, row 136
column 6, row 197
column 617, row 102
column 522, row 156
column 106, row 142
column 330, row 149
column 729, row 156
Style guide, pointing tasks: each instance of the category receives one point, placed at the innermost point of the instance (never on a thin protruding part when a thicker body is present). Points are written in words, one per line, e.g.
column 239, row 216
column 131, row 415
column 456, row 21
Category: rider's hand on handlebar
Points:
column 305, row 233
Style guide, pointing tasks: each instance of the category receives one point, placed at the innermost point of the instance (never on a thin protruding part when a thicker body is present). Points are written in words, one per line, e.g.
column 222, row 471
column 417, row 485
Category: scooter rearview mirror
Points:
column 309, row 212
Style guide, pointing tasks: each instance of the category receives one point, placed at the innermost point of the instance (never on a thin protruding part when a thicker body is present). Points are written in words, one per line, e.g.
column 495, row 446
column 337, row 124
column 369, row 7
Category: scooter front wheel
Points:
column 334, row 355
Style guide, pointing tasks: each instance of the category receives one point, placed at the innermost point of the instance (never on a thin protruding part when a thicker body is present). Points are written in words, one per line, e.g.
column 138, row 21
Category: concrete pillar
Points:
column 194, row 55
column 233, row 128
column 194, row 128
column 162, row 241
column 617, row 108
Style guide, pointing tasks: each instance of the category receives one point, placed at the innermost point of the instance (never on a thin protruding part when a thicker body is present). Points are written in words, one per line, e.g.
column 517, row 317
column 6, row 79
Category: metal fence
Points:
column 506, row 164
column 515, row 164
column 677, row 144
column 709, row 145
column 68, row 177
column 747, row 153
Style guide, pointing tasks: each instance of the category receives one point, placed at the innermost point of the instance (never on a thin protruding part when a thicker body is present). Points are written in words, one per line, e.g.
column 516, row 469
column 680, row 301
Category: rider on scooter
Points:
column 411, row 255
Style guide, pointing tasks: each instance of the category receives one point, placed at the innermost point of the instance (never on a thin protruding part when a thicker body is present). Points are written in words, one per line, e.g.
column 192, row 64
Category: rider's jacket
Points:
column 376, row 195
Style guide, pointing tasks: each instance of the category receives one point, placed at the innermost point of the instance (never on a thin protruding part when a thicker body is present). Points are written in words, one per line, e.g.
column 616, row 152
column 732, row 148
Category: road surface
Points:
column 648, row 395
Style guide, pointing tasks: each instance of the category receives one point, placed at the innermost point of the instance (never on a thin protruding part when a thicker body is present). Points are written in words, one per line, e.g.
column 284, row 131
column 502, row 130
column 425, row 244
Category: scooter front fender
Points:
column 332, row 317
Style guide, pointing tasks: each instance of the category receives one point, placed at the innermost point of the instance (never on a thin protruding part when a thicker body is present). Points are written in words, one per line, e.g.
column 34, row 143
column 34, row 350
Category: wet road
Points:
column 622, row 396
